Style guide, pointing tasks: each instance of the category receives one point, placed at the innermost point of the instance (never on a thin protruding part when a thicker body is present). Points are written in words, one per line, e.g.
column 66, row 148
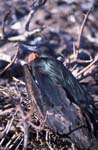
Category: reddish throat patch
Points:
column 32, row 57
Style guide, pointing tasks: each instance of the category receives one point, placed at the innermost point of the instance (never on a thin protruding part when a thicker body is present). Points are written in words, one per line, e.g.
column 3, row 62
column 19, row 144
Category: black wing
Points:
column 55, row 72
column 62, row 116
column 60, row 75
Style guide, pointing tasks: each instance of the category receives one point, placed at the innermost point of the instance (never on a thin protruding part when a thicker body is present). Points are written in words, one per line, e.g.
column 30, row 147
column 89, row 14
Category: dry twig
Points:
column 86, row 69
column 3, row 25
column 31, row 14
column 23, row 37
column 76, row 46
column 82, row 28
column 25, row 124
column 35, row 6
column 27, row 34
column 6, row 112
column 7, row 129
column 11, row 63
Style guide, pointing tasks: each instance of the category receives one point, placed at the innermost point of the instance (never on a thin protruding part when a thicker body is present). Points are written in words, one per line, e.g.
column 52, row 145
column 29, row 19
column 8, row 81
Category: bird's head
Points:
column 40, row 50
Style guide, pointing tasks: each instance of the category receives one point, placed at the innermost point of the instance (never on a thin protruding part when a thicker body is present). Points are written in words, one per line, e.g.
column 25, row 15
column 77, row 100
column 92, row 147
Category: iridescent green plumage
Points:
column 63, row 101
column 54, row 71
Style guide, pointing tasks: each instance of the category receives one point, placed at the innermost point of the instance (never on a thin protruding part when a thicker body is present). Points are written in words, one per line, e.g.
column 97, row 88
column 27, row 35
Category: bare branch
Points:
column 6, row 112
column 76, row 46
column 31, row 14
column 20, row 38
column 3, row 25
column 7, row 129
column 25, row 125
column 86, row 69
column 35, row 6
column 82, row 28
column 23, row 37
column 11, row 63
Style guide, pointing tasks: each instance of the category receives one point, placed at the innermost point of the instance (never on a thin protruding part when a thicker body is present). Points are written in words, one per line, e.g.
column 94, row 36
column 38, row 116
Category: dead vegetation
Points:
column 21, row 127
